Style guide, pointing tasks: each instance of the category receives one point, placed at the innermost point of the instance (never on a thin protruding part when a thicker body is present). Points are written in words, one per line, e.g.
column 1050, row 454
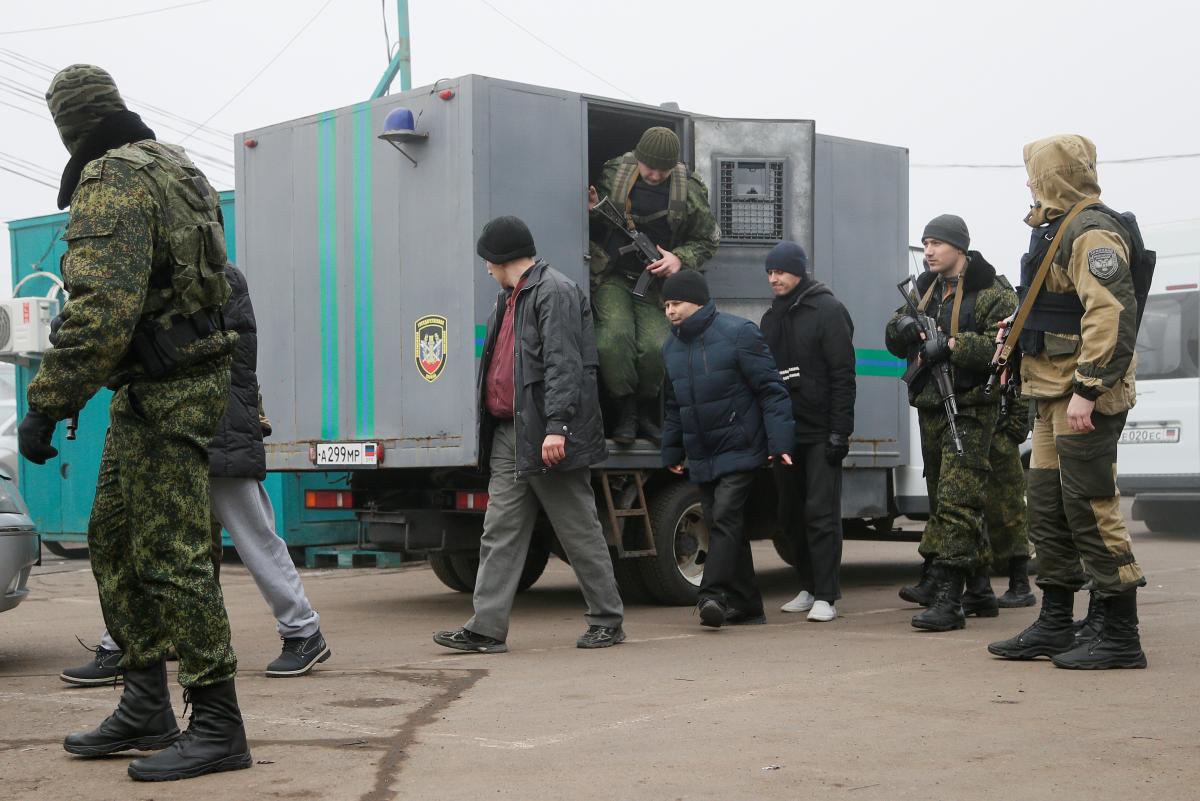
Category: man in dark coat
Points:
column 811, row 337
column 237, row 465
column 540, row 433
column 727, row 412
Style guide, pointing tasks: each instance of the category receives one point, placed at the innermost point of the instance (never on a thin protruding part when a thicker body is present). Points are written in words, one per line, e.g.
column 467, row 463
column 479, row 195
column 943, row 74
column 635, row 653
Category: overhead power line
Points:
column 28, row 177
column 105, row 19
column 1135, row 160
column 551, row 47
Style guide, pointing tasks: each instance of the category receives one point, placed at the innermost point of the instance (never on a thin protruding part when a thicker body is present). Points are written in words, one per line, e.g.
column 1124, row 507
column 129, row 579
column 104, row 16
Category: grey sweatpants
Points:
column 243, row 507
column 508, row 523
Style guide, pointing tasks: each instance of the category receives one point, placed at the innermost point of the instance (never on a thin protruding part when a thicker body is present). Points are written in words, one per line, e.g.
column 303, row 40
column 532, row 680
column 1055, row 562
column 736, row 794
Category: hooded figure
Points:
column 1078, row 366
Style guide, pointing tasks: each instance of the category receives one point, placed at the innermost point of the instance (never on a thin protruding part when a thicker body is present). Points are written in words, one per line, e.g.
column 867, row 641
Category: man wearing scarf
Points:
column 811, row 337
column 145, row 267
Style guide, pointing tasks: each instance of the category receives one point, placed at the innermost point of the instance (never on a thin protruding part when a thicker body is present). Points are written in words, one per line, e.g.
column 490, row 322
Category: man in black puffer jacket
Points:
column 811, row 337
column 239, row 501
column 728, row 412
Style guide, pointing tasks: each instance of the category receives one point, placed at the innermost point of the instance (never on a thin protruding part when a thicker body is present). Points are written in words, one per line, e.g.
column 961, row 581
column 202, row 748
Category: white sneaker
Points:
column 822, row 612
column 801, row 603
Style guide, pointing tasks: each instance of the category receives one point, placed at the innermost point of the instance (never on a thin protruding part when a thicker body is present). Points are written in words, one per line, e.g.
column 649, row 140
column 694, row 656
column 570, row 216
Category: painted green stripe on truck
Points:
column 480, row 340
column 868, row 361
column 364, row 288
column 328, row 267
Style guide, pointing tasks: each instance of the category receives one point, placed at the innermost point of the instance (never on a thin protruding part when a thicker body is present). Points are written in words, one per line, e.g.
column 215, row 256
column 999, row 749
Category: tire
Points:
column 681, row 539
column 466, row 565
column 443, row 568
column 61, row 549
column 628, row 573
column 783, row 547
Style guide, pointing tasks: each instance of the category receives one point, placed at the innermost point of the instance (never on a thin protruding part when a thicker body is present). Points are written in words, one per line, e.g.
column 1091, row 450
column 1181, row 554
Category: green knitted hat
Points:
column 658, row 148
column 79, row 97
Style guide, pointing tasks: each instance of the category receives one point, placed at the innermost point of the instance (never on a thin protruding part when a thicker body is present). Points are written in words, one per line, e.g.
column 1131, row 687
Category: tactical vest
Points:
column 943, row 312
column 676, row 211
column 193, row 278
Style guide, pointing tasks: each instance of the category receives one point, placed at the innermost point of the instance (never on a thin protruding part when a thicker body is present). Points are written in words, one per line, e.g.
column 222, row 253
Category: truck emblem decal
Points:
column 430, row 347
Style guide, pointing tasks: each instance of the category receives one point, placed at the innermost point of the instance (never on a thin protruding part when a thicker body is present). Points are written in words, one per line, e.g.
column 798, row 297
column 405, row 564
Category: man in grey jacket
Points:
column 540, row 433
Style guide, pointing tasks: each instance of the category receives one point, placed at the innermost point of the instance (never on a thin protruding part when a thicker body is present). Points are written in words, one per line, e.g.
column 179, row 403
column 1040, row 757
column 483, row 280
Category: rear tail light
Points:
column 328, row 499
column 470, row 501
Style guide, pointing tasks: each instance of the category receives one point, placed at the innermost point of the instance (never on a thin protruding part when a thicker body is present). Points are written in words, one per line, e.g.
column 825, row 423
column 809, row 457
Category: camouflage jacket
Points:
column 119, row 235
column 973, row 347
column 694, row 240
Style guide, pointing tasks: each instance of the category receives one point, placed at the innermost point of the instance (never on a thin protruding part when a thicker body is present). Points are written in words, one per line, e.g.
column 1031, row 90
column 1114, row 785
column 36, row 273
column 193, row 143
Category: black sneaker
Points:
column 103, row 669
column 463, row 640
column 300, row 655
column 600, row 637
column 712, row 613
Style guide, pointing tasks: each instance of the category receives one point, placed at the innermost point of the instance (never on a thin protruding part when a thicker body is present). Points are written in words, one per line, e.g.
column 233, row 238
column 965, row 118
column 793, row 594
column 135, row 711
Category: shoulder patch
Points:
column 92, row 171
column 1103, row 263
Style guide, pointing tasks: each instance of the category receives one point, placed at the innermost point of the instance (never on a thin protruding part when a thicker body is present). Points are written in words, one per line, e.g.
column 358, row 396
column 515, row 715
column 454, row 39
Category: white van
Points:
column 1158, row 458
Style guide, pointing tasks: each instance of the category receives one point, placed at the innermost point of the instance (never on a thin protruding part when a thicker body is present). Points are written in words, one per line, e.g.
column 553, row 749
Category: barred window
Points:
column 750, row 200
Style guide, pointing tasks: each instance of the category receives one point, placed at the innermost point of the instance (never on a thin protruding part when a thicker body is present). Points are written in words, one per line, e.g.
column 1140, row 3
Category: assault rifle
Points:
column 639, row 243
column 934, row 356
column 1005, row 371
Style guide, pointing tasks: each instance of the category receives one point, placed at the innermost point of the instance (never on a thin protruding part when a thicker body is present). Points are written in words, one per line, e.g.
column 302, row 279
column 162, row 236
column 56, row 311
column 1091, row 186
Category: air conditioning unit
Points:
column 25, row 326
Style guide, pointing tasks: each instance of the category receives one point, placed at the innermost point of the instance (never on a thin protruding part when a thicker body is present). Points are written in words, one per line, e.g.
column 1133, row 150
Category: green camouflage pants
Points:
column 1074, row 508
column 957, row 485
column 1004, row 502
column 149, row 535
column 630, row 333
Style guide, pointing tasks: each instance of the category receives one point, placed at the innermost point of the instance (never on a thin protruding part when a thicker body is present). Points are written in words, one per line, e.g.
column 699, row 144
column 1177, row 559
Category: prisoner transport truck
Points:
column 356, row 228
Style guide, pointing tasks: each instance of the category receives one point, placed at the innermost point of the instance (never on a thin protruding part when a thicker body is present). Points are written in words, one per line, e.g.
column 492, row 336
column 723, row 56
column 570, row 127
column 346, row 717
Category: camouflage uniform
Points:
column 630, row 331
column 1074, row 508
column 144, row 245
column 957, row 485
column 1004, row 502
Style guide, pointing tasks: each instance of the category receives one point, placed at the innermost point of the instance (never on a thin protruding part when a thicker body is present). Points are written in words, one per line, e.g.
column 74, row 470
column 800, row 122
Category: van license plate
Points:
column 347, row 454
column 1149, row 435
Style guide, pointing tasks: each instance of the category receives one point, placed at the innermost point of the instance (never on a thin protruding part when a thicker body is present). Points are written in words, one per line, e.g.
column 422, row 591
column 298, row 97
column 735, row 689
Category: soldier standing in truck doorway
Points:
column 1078, row 363
column 963, row 296
column 663, row 199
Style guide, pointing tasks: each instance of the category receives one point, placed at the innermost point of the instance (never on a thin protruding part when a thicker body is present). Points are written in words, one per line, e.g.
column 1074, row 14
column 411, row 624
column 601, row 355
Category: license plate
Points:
column 347, row 454
column 1149, row 435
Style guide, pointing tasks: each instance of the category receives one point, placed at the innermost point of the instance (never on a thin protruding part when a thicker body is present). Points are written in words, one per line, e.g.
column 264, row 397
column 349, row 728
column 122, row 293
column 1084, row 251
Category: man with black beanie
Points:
column 539, row 435
column 811, row 337
column 727, row 413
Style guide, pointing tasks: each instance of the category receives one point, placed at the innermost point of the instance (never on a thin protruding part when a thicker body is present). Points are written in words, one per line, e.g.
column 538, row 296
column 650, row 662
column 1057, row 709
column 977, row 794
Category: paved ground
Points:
column 864, row 708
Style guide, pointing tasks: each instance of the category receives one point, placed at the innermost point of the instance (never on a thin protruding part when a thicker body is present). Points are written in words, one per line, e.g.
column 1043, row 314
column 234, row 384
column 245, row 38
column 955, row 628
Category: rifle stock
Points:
column 941, row 368
column 639, row 243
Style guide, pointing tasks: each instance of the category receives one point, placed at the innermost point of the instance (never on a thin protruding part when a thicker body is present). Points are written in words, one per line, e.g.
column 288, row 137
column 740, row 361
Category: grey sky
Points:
column 955, row 82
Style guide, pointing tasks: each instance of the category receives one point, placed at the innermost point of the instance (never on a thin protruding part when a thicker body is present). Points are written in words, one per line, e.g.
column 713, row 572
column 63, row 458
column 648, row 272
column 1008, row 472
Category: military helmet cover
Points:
column 79, row 97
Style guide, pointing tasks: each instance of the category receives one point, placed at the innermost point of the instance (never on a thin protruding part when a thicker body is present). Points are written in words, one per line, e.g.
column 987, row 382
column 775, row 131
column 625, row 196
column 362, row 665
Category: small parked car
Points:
column 20, row 547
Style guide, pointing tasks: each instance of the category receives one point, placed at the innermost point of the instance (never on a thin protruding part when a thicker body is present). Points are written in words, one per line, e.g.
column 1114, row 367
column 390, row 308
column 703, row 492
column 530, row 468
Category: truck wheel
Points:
column 628, row 573
column 783, row 547
column 681, row 538
column 443, row 568
column 465, row 566
column 60, row 549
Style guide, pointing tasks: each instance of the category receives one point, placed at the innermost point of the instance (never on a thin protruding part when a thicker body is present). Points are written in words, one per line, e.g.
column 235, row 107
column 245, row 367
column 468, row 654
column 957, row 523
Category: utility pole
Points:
column 402, row 61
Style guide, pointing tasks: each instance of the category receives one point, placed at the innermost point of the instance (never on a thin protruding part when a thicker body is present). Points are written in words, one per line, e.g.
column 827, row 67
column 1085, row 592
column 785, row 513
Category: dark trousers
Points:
column 810, row 509
column 729, row 566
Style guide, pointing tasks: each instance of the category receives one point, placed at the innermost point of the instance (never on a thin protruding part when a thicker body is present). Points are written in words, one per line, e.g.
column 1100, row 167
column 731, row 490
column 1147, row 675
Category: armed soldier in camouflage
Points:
column 145, row 270
column 1078, row 366
column 961, row 292
column 664, row 200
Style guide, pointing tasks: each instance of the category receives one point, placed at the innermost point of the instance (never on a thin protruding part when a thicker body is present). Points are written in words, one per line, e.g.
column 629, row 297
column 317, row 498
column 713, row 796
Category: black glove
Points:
column 34, row 435
column 55, row 324
column 907, row 330
column 836, row 449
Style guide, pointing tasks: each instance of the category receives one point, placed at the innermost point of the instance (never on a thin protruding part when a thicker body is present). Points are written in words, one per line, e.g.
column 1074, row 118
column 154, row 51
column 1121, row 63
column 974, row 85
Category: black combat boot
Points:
column 1117, row 645
column 978, row 598
column 922, row 592
column 215, row 740
column 647, row 420
column 1018, row 594
column 143, row 721
column 1092, row 624
column 625, row 430
column 945, row 613
column 1052, row 633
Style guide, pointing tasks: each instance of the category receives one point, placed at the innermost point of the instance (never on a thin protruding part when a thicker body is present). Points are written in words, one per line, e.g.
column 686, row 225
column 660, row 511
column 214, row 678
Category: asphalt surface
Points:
column 862, row 708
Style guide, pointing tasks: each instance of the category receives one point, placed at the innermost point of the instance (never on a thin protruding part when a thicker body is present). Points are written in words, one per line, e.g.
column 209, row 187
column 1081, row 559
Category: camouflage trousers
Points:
column 630, row 332
column 149, row 536
column 1004, row 502
column 957, row 485
column 1074, row 508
